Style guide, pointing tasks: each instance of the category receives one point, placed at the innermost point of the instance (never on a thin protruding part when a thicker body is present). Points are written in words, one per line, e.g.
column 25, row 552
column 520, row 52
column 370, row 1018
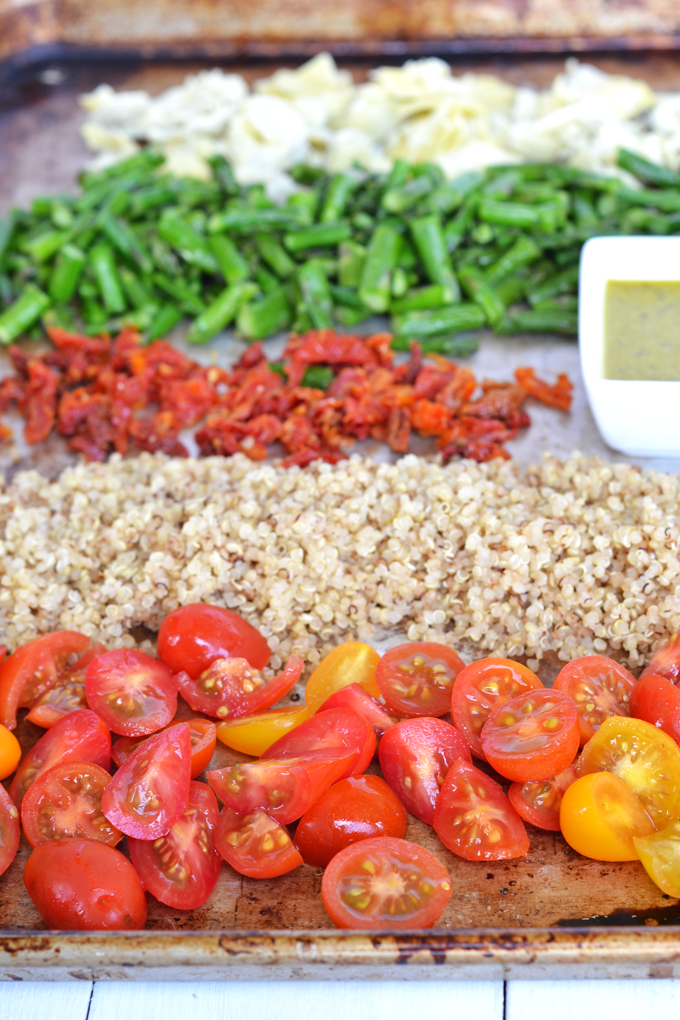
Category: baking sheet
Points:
column 538, row 916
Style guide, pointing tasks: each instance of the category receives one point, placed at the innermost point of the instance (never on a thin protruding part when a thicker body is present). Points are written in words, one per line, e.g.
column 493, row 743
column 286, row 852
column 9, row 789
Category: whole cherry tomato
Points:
column 33, row 668
column 255, row 845
column 255, row 734
column 385, row 883
column 417, row 678
column 475, row 819
column 600, row 816
column 657, row 700
column 351, row 810
column 533, row 736
column 134, row 694
column 336, row 729
column 192, row 637
column 66, row 802
column 230, row 688
column 599, row 687
column 81, row 885
column 415, row 756
column 350, row 663
column 481, row 688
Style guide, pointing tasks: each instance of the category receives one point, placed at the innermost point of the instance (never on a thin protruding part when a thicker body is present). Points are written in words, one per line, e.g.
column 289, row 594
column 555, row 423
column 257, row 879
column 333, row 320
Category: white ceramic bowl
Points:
column 639, row 418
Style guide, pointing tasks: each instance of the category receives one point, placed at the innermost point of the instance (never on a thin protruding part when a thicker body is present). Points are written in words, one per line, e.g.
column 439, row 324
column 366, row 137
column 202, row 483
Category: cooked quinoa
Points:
column 574, row 557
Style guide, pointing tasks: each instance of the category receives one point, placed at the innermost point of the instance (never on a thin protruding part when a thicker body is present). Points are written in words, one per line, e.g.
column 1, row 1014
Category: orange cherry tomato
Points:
column 600, row 816
column 660, row 856
column 533, row 736
column 350, row 663
column 645, row 758
column 599, row 687
column 417, row 678
column 481, row 688
column 10, row 752
column 665, row 661
column 255, row 734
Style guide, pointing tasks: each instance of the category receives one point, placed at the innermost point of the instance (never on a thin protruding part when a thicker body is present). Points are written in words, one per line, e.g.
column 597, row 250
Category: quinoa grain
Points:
column 572, row 557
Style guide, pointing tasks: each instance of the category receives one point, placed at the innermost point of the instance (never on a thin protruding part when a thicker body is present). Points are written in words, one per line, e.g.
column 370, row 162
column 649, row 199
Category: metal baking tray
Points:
column 552, row 914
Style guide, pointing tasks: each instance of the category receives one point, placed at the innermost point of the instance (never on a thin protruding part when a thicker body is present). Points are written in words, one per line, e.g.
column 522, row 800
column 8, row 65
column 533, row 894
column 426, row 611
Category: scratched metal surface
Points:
column 511, row 919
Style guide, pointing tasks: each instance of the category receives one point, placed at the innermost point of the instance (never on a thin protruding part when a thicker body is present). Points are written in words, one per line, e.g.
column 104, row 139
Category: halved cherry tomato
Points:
column 81, row 885
column 350, row 663
column 33, row 668
column 10, row 830
column 255, row 845
column 539, row 803
column 66, row 802
column 148, row 794
column 660, row 856
column 203, row 739
column 255, row 734
column 283, row 789
column 385, row 883
column 353, row 809
column 647, row 760
column 415, row 756
column 599, row 687
column 10, row 752
column 67, row 694
column 192, row 637
column 664, row 662
column 337, row 729
column 600, row 816
column 230, row 688
column 475, row 819
column 133, row 693
column 657, row 700
column 181, row 868
column 359, row 700
column 417, row 678
column 79, row 736
column 481, row 688
column 533, row 736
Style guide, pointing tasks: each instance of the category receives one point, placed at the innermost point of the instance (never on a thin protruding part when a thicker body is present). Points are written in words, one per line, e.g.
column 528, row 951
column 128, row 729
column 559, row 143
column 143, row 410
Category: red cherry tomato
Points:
column 360, row 701
column 255, row 845
column 285, row 789
column 417, row 678
column 657, row 700
column 415, row 755
column 230, row 688
column 66, row 802
column 151, row 789
column 385, row 883
column 599, row 687
column 533, row 736
column 67, row 694
column 481, row 688
column 336, row 729
column 353, row 809
column 10, row 830
column 33, row 668
column 664, row 662
column 203, row 735
column 539, row 803
column 79, row 736
column 81, row 885
column 133, row 693
column 475, row 819
column 192, row 637
column 181, row 869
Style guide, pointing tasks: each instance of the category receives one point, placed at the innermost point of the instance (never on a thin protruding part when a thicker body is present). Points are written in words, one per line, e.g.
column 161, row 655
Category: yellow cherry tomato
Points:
column 660, row 855
column 10, row 752
column 350, row 663
column 255, row 734
column 647, row 760
column 600, row 816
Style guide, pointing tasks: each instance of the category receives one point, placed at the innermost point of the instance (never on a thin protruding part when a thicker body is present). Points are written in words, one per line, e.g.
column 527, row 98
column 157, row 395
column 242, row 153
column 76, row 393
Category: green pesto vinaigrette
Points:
column 642, row 330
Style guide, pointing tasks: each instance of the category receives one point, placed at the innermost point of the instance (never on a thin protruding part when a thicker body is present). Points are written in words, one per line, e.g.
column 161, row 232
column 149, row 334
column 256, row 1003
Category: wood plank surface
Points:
column 308, row 1000
column 34, row 1000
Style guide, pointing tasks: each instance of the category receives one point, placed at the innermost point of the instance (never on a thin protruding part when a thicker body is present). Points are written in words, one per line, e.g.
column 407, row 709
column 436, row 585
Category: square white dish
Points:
column 640, row 418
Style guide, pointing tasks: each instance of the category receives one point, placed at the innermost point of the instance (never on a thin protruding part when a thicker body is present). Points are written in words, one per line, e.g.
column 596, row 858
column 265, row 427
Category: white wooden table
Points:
column 339, row 1000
